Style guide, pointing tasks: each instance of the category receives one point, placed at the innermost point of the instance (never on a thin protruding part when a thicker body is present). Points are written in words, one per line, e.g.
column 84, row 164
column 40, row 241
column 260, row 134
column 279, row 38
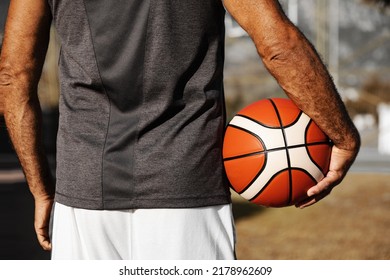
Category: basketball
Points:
column 273, row 153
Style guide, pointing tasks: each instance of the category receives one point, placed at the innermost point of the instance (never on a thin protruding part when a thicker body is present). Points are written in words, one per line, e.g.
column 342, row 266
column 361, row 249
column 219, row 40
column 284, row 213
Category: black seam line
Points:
column 256, row 121
column 245, row 155
column 271, row 127
column 287, row 153
column 328, row 143
column 265, row 186
column 274, row 176
column 250, row 132
column 307, row 148
column 257, row 175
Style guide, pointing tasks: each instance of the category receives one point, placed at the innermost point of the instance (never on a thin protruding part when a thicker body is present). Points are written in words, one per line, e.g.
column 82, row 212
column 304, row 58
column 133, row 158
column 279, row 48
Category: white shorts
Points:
column 143, row 234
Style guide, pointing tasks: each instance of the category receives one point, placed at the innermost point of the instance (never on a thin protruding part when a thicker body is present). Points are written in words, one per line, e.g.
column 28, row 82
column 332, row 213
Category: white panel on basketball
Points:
column 295, row 135
column 276, row 161
column 272, row 138
column 299, row 158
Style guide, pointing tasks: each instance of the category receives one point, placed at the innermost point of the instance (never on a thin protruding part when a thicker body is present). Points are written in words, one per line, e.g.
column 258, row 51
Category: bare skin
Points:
column 294, row 63
column 23, row 53
column 1, row 106
column 285, row 52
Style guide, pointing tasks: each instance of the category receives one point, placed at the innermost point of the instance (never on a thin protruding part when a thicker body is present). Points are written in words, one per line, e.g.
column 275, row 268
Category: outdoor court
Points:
column 353, row 223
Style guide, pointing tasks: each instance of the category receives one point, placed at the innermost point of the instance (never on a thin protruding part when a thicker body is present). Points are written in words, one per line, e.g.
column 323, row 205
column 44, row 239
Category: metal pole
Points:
column 293, row 11
column 321, row 29
column 334, row 39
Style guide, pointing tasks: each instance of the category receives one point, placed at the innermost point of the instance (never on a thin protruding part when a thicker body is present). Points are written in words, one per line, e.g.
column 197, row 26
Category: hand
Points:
column 43, row 208
column 340, row 162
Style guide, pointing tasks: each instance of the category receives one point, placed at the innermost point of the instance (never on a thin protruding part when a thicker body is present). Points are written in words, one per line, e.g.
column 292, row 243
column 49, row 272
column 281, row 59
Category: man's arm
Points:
column 295, row 64
column 1, row 105
column 22, row 57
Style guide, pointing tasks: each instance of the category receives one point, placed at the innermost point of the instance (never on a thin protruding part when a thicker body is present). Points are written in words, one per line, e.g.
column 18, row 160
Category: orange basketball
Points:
column 273, row 153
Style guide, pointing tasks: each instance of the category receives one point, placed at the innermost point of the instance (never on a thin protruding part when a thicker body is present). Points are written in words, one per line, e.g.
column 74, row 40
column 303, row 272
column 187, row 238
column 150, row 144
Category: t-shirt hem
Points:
column 136, row 203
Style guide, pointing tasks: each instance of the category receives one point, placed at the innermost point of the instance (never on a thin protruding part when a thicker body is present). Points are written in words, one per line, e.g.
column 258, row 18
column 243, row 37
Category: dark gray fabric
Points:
column 141, row 109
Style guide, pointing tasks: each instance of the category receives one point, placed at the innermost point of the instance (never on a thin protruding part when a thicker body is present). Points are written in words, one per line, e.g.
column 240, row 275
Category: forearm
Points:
column 25, row 43
column 302, row 75
column 22, row 114
column 1, row 105
column 292, row 60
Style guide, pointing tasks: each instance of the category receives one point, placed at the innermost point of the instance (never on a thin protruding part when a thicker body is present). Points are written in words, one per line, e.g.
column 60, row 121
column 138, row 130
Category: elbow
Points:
column 14, row 80
column 278, row 53
column 15, row 88
column 5, row 75
column 5, row 83
column 281, row 49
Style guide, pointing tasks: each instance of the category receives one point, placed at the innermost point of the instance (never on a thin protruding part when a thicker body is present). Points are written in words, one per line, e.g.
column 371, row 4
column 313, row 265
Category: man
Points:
column 139, row 172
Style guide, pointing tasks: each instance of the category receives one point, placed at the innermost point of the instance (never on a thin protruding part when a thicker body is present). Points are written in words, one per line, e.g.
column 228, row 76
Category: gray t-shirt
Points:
column 142, row 108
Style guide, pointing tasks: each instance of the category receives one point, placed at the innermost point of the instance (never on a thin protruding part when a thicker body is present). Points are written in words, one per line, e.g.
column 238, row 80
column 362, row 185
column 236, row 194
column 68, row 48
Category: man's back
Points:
column 141, row 105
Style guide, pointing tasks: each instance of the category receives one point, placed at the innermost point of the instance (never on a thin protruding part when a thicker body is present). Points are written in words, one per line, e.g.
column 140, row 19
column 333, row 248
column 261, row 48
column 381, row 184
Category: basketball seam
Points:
column 272, row 127
column 304, row 171
column 278, row 149
column 266, row 185
column 329, row 143
column 254, row 153
column 286, row 148
column 275, row 175
column 254, row 178
column 250, row 132
column 256, row 121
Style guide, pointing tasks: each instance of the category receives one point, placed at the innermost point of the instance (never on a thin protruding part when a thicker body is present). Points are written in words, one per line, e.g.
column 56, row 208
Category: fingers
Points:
column 43, row 239
column 319, row 191
column 42, row 219
column 340, row 162
column 332, row 179
column 313, row 199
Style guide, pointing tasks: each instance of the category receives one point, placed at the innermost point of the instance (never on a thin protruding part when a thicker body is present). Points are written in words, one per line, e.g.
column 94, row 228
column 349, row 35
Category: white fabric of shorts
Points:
column 206, row 233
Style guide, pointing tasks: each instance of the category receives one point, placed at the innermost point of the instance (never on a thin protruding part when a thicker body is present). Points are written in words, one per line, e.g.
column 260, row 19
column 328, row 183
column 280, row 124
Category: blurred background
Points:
column 353, row 39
